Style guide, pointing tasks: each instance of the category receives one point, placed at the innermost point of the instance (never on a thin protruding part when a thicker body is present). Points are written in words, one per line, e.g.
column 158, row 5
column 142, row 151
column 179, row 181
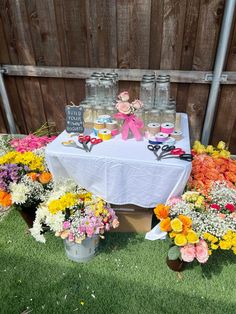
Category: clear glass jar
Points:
column 147, row 93
column 162, row 93
column 88, row 115
column 155, row 116
column 146, row 116
column 111, row 110
column 114, row 77
column 91, row 89
column 98, row 111
column 168, row 115
column 107, row 91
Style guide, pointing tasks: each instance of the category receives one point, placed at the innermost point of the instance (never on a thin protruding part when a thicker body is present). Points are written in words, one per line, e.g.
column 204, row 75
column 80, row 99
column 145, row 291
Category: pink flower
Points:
column 187, row 253
column 71, row 237
column 124, row 96
column 137, row 104
column 66, row 224
column 233, row 215
column 123, row 107
column 201, row 251
column 215, row 206
column 115, row 223
column 90, row 231
column 107, row 227
column 222, row 216
column 174, row 200
column 230, row 207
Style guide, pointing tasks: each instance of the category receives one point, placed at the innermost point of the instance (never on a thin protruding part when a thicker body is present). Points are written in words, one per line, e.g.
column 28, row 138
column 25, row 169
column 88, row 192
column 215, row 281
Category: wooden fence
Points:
column 119, row 34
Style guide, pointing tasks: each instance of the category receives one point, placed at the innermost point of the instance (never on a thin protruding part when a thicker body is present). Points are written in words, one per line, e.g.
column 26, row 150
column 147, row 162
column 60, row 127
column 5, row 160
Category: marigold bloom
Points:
column 161, row 211
column 165, row 225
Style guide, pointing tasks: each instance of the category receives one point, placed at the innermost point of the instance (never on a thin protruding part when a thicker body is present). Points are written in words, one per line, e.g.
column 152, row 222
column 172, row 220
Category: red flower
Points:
column 230, row 207
column 216, row 206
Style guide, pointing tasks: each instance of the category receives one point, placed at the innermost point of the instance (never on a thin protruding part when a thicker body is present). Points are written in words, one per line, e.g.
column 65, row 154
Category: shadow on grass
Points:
column 44, row 285
column 114, row 241
column 216, row 263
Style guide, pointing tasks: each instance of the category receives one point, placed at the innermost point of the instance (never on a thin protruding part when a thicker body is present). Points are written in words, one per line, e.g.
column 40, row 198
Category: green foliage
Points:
column 174, row 253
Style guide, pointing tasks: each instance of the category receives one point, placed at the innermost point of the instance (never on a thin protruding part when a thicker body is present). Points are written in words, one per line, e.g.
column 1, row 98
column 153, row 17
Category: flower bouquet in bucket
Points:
column 76, row 216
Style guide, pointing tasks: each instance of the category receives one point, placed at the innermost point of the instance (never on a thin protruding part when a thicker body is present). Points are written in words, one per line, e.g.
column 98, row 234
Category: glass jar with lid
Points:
column 107, row 92
column 162, row 93
column 147, row 92
column 91, row 89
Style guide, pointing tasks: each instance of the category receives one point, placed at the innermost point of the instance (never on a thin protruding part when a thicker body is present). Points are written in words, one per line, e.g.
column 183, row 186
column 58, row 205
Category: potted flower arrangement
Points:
column 127, row 113
column 198, row 225
column 203, row 219
column 76, row 216
column 24, row 177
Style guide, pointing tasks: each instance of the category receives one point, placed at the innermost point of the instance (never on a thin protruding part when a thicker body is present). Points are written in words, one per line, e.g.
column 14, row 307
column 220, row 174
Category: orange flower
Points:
column 186, row 221
column 45, row 177
column 165, row 224
column 161, row 211
column 33, row 176
column 5, row 199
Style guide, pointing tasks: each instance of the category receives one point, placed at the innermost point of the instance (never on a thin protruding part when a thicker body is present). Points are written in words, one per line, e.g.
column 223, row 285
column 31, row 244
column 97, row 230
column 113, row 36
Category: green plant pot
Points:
column 175, row 265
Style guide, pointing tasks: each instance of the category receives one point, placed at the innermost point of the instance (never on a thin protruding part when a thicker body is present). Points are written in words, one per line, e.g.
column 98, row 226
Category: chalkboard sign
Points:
column 74, row 119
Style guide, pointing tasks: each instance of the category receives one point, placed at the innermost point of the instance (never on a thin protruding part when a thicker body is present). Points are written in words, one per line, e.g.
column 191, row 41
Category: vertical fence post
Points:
column 6, row 105
column 218, row 68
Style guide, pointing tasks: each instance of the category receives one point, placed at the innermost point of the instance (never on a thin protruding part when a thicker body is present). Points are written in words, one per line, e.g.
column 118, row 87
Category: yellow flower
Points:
column 225, row 245
column 206, row 235
column 214, row 246
column 209, row 252
column 215, row 154
column 54, row 206
column 234, row 249
column 29, row 159
column 221, row 145
column 176, row 225
column 172, row 234
column 224, row 154
column 180, row 240
column 209, row 149
column 192, row 237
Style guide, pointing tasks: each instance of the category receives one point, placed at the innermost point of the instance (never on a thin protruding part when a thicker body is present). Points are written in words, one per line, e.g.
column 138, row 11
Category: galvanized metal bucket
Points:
column 83, row 252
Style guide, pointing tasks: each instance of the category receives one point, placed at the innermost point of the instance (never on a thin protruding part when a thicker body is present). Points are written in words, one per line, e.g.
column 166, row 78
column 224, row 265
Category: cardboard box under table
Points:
column 133, row 218
column 122, row 172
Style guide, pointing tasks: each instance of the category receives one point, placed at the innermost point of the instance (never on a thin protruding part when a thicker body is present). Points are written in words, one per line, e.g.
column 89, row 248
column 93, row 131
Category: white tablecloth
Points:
column 122, row 172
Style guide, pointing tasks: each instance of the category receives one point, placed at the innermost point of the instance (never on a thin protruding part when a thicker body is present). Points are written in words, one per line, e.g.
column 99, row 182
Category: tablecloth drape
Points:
column 122, row 172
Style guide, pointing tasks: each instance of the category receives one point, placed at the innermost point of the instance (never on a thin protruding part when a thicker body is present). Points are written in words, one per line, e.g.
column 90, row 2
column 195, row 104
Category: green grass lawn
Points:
column 129, row 275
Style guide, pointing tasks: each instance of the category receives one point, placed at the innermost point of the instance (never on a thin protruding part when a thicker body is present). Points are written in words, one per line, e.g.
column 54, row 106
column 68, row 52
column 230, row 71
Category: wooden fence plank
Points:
column 44, row 35
column 172, row 37
column 188, row 46
column 133, row 29
column 207, row 37
column 101, row 33
column 72, row 35
column 156, row 29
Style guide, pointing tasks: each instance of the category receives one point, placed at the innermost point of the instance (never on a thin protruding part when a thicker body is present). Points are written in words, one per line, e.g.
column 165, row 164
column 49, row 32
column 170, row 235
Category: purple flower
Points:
column 10, row 173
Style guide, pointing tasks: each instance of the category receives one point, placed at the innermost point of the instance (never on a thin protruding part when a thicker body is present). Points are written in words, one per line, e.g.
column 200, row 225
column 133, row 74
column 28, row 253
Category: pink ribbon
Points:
column 132, row 123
